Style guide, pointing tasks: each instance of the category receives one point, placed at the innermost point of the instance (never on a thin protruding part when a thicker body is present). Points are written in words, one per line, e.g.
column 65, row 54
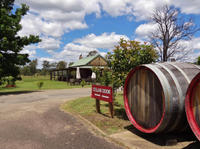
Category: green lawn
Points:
column 29, row 83
column 86, row 108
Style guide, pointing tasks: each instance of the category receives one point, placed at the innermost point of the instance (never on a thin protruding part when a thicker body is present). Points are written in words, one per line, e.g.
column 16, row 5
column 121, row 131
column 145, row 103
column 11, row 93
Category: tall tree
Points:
column 171, row 29
column 33, row 66
column 11, row 44
column 53, row 65
column 126, row 56
column 198, row 61
column 45, row 67
column 61, row 65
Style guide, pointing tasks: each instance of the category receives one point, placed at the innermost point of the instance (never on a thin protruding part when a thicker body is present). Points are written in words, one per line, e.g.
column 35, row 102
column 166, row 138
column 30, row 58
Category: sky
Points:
column 69, row 28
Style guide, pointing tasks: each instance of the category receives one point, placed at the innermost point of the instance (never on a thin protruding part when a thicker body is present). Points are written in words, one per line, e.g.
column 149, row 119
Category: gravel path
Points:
column 34, row 121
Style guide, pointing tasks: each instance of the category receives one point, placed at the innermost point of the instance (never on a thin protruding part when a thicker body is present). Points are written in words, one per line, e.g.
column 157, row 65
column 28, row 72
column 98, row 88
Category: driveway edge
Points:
column 95, row 130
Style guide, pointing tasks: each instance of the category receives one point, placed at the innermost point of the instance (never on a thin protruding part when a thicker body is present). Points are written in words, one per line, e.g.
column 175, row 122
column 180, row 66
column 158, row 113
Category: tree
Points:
column 33, row 67
column 171, row 30
column 25, row 70
column 30, row 69
column 198, row 61
column 11, row 44
column 45, row 67
column 126, row 56
column 61, row 65
column 92, row 53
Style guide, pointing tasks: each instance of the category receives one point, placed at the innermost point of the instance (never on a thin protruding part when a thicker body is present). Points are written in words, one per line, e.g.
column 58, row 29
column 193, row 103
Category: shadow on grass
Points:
column 119, row 111
column 121, row 114
column 16, row 92
column 164, row 139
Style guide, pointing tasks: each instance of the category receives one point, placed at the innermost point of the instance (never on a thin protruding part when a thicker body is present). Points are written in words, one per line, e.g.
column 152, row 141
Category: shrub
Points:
column 83, row 83
column 40, row 84
column 10, row 81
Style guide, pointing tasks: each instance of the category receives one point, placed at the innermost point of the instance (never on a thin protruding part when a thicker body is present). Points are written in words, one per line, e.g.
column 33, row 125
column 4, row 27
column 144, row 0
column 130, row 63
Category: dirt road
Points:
column 34, row 121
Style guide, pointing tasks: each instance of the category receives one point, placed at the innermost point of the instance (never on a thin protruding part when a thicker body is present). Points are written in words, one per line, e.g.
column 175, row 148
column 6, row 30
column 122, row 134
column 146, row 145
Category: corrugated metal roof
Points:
column 84, row 61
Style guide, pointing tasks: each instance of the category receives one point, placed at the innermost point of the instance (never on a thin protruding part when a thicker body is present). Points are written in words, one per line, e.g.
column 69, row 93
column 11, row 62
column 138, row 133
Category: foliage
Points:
column 98, row 73
column 126, row 56
column 11, row 43
column 171, row 30
column 106, row 78
column 83, row 83
column 40, row 84
column 198, row 60
column 2, row 81
column 45, row 67
column 10, row 81
column 33, row 67
column 30, row 69
column 61, row 65
column 25, row 70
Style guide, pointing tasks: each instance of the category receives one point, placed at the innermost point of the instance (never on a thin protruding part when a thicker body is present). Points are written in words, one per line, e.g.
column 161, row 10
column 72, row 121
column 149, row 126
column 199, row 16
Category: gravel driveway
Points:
column 33, row 121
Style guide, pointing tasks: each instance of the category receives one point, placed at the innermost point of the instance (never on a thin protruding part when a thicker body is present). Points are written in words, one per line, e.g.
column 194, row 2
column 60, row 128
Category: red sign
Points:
column 102, row 93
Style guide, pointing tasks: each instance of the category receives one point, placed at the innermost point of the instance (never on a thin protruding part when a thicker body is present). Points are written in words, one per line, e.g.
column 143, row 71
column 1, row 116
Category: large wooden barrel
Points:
column 154, row 96
column 192, row 105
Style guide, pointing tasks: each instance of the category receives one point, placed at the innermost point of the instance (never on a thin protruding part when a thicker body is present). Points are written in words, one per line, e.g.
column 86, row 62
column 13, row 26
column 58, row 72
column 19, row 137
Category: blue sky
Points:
column 69, row 28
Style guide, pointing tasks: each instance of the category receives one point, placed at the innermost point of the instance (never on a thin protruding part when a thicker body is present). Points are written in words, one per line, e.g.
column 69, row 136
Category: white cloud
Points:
column 103, row 41
column 33, row 24
column 188, row 7
column 30, row 50
column 41, row 59
column 72, row 51
column 144, row 30
column 54, row 18
column 51, row 19
column 103, row 54
column 194, row 43
column 49, row 44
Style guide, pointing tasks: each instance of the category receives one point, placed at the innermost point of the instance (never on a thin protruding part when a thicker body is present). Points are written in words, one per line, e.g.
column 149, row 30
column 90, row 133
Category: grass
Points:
column 29, row 83
column 87, row 109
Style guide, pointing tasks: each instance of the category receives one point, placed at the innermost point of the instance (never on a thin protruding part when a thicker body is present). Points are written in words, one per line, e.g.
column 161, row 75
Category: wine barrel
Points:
column 154, row 96
column 192, row 105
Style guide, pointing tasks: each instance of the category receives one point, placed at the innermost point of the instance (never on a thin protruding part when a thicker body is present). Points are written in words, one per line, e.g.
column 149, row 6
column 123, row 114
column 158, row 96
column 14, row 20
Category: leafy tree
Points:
column 11, row 44
column 198, row 60
column 25, row 70
column 61, row 65
column 33, row 67
column 45, row 67
column 103, row 76
column 53, row 65
column 126, row 56
column 171, row 29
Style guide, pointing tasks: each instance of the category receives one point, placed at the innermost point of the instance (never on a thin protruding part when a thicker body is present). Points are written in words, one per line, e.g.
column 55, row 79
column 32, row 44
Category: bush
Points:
column 10, row 81
column 40, row 84
column 83, row 83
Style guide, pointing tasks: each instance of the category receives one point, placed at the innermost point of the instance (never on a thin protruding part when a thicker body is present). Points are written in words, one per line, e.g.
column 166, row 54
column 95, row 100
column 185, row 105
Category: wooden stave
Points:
column 189, row 106
column 168, row 112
